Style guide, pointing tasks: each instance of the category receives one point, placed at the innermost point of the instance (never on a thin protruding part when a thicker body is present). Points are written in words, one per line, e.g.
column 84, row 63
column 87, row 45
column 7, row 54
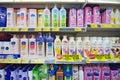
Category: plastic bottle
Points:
column 72, row 45
column 75, row 74
column 52, row 72
column 59, row 74
column 99, row 45
column 63, row 17
column 79, row 46
column 40, row 46
column 67, row 72
column 117, row 16
column 81, row 73
column 55, row 16
column 112, row 17
column 87, row 47
column 14, row 46
column 46, row 17
column 32, row 47
column 65, row 49
column 106, row 45
column 24, row 46
column 49, row 46
column 40, row 18
column 57, row 47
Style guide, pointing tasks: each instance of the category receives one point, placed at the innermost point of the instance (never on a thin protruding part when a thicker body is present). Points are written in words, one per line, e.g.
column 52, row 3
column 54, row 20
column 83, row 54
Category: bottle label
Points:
column 79, row 48
column 32, row 47
column 46, row 18
column 72, row 48
column 23, row 47
column 65, row 47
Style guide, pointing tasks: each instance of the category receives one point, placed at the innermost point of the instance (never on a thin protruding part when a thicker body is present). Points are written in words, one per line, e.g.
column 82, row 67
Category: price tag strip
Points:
column 70, row 58
column 25, row 61
column 37, row 61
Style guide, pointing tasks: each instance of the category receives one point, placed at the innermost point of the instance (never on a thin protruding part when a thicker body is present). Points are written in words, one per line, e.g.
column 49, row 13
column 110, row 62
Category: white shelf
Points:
column 104, row 1
column 2, row 1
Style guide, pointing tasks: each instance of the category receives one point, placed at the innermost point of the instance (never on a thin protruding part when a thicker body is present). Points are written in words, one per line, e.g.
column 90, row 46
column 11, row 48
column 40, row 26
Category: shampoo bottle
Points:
column 72, row 46
column 55, row 16
column 112, row 17
column 117, row 12
column 57, row 47
column 14, row 45
column 75, row 73
column 40, row 46
column 65, row 45
column 32, row 47
column 46, row 17
column 59, row 74
column 62, row 17
column 81, row 73
column 100, row 45
column 24, row 46
column 49, row 46
column 67, row 72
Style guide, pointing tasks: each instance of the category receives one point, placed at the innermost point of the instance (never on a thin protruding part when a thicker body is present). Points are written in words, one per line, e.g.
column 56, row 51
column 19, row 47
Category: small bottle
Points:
column 32, row 47
column 14, row 46
column 65, row 49
column 57, row 47
column 72, row 46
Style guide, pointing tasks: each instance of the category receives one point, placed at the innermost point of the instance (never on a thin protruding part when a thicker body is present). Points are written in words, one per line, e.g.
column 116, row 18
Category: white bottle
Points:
column 72, row 46
column 106, row 45
column 65, row 49
column 14, row 45
column 100, row 45
column 81, row 73
column 75, row 72
column 86, row 46
column 49, row 47
column 6, row 47
column 79, row 46
column 57, row 47
column 117, row 16
column 46, row 17
column 40, row 46
column 112, row 17
column 24, row 46
column 32, row 47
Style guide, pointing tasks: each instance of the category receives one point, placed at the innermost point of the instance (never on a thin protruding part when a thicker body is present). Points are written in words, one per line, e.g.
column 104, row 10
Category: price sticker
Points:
column 7, row 60
column 106, row 26
column 46, row 29
column 37, row 29
column 94, row 26
column 25, row 60
column 7, row 29
column 55, row 29
column 77, row 29
column 116, row 26
column 17, row 60
column 24, row 29
column 108, row 57
column 14, row 29
column 99, row 57
column 1, row 60
column 0, row 29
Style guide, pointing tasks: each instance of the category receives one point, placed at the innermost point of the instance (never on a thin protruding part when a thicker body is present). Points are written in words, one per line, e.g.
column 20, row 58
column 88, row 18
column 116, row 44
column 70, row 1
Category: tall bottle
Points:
column 62, row 17
column 59, row 74
column 49, row 46
column 40, row 46
column 65, row 49
column 46, row 17
column 72, row 46
column 112, row 17
column 67, row 72
column 24, row 46
column 100, row 45
column 75, row 72
column 55, row 16
column 14, row 46
column 32, row 47
column 79, row 46
column 57, row 47
column 117, row 16
column 81, row 73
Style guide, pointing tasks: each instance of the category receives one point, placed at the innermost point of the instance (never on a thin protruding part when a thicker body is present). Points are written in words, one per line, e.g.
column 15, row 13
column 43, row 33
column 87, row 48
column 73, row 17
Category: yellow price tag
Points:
column 7, row 61
column 37, row 61
column 106, row 26
column 1, row 60
column 116, row 26
column 24, row 29
column 37, row 29
column 108, row 57
column 55, row 29
column 77, row 29
column 100, row 58
column 17, row 60
column 14, row 29
column 0, row 29
column 25, row 60
column 46, row 29
column 7, row 29
column 94, row 26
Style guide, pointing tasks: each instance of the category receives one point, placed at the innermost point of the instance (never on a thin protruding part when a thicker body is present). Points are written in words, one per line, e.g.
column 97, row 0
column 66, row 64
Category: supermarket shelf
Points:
column 42, row 29
column 104, row 1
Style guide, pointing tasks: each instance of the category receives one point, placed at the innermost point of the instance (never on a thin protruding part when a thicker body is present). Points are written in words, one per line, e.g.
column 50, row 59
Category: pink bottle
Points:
column 96, row 15
column 105, row 73
column 88, row 15
column 72, row 17
column 114, row 74
column 97, row 72
column 88, row 73
column 106, row 16
column 80, row 18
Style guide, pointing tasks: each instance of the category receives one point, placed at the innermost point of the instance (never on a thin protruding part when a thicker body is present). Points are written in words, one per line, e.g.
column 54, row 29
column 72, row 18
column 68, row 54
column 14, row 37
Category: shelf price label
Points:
column 71, row 58
column 1, row 60
column 7, row 29
column 94, row 26
column 108, row 57
column 14, row 29
column 0, row 29
column 46, row 29
column 116, row 26
column 106, row 26
column 77, row 29
column 100, row 58
column 25, row 60
column 55, row 29
column 24, row 29
column 37, row 29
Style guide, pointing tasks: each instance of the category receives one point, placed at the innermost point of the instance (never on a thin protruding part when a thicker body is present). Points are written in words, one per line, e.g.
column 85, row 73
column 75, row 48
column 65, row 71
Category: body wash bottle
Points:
column 62, row 17
column 72, row 46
